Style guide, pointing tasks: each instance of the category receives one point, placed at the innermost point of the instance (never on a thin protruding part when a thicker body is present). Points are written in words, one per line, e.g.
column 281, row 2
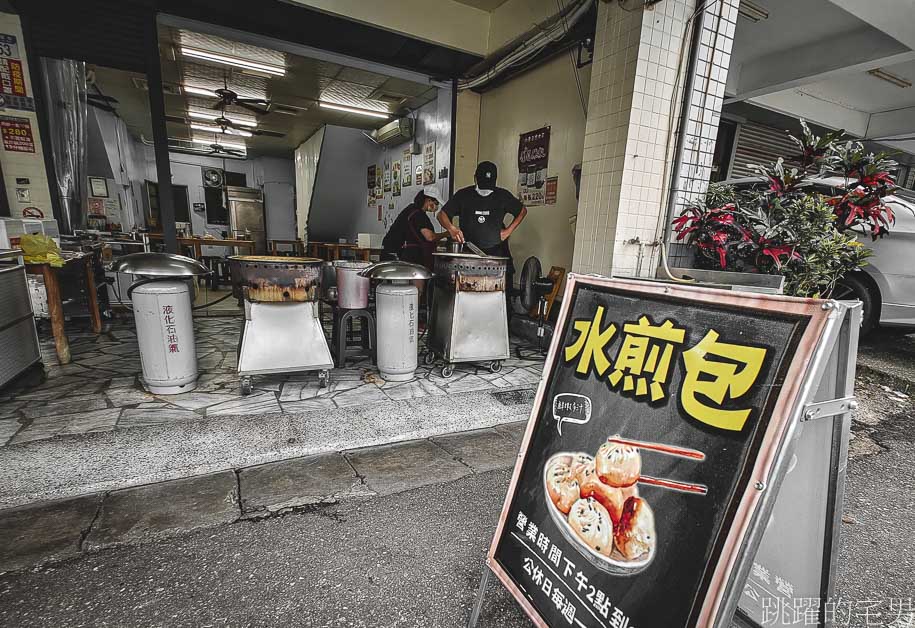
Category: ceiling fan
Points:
column 228, row 97
column 219, row 149
column 224, row 123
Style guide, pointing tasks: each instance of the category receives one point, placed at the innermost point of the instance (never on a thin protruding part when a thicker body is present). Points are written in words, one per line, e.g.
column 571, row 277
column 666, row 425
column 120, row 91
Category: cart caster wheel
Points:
column 428, row 358
column 245, row 385
column 323, row 379
column 447, row 370
column 495, row 366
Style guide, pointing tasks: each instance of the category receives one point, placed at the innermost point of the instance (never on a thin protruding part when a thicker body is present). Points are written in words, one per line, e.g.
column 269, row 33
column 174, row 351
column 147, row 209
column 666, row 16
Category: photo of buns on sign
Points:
column 595, row 502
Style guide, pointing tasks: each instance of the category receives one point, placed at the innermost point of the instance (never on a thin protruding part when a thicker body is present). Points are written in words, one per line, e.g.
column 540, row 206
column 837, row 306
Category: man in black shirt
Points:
column 481, row 211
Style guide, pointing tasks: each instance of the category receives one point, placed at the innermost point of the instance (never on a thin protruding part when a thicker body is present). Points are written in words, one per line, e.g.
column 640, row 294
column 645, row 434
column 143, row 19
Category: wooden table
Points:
column 55, row 303
column 197, row 243
column 331, row 251
column 298, row 247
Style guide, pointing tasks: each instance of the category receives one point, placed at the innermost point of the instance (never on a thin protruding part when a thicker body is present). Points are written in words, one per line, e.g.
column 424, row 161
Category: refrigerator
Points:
column 246, row 216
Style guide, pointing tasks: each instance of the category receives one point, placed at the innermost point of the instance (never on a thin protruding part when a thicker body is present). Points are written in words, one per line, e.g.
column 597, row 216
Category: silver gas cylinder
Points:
column 397, row 317
column 162, row 309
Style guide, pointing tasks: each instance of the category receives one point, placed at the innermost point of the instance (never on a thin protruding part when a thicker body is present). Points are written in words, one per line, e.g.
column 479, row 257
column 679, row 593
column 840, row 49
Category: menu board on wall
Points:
column 387, row 175
column 533, row 157
column 661, row 411
column 428, row 163
column 395, row 178
column 17, row 134
column 407, row 167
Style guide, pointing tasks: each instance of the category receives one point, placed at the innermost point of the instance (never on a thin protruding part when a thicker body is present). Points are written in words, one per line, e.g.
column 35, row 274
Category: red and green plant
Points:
column 783, row 225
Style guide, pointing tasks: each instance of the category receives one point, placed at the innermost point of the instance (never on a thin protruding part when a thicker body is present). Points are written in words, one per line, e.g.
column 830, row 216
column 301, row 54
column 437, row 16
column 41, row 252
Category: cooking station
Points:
column 282, row 330
column 469, row 315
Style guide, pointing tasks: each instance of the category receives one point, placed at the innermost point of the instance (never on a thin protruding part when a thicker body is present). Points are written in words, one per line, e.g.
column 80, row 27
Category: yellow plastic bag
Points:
column 40, row 249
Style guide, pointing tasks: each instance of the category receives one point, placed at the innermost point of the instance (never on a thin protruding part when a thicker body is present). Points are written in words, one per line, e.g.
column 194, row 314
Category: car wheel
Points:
column 849, row 288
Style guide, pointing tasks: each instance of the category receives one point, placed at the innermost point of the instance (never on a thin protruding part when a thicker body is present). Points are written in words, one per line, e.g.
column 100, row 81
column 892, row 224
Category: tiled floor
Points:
column 100, row 390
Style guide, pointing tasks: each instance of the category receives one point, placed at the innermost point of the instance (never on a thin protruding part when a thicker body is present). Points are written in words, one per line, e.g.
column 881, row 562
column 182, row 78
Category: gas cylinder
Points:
column 165, row 333
column 397, row 321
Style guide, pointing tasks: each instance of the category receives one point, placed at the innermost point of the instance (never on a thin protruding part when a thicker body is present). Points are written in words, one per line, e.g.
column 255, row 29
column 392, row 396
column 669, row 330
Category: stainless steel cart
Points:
column 469, row 316
column 282, row 332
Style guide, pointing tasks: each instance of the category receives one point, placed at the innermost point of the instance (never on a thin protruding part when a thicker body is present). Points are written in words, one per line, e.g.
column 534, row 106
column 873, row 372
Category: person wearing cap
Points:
column 411, row 237
column 480, row 210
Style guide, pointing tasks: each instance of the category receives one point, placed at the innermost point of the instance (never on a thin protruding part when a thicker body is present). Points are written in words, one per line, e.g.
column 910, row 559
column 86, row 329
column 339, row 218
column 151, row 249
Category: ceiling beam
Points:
column 857, row 51
column 892, row 123
column 893, row 17
column 797, row 104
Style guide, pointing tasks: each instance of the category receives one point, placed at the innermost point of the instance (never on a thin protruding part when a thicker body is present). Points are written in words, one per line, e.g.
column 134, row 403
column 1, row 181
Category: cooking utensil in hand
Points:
column 475, row 249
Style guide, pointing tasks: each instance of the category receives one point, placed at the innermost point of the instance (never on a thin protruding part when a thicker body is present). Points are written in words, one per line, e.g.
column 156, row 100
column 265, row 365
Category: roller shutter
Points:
column 758, row 144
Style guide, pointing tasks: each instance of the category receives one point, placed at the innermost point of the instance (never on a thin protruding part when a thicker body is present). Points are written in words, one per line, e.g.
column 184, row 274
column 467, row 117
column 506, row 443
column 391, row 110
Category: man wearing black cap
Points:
column 481, row 213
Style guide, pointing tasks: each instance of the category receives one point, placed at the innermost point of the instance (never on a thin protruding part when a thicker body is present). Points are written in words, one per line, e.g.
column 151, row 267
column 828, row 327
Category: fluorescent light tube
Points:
column 217, row 129
column 198, row 140
column 889, row 77
column 237, row 62
column 361, row 112
column 198, row 91
column 215, row 116
column 752, row 11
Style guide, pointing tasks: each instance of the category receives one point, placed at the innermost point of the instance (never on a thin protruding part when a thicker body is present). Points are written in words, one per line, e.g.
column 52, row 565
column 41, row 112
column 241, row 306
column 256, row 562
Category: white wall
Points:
column 339, row 206
column 545, row 96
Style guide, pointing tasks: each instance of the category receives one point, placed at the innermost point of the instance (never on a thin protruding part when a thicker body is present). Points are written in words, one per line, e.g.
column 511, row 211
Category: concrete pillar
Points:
column 640, row 67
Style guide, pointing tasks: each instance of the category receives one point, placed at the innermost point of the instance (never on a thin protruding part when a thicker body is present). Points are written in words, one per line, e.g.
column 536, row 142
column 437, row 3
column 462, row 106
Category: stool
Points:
column 221, row 274
column 343, row 328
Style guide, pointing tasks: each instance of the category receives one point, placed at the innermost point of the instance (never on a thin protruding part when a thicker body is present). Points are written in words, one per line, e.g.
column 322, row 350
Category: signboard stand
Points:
column 768, row 532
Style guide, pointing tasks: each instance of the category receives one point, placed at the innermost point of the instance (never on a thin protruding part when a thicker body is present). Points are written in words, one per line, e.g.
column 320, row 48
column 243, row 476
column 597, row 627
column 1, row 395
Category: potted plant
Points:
column 785, row 226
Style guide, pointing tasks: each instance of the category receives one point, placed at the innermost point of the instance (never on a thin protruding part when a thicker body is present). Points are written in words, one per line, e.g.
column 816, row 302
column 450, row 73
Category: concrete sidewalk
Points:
column 69, row 466
column 53, row 531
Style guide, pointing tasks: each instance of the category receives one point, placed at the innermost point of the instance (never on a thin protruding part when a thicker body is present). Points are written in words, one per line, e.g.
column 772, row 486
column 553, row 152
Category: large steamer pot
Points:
column 275, row 279
column 465, row 272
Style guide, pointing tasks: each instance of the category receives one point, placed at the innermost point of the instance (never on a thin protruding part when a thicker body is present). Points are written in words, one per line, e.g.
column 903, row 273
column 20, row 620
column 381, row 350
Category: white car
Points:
column 886, row 286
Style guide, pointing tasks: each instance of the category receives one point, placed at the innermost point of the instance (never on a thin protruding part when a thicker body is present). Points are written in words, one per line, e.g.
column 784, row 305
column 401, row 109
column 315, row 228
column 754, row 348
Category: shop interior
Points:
column 268, row 150
column 270, row 153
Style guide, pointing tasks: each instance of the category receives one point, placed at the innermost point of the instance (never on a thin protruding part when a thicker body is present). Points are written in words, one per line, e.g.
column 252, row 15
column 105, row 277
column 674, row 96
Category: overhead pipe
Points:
column 527, row 44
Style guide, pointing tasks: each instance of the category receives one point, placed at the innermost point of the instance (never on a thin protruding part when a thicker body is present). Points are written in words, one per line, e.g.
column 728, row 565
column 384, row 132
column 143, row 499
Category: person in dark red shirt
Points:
column 412, row 237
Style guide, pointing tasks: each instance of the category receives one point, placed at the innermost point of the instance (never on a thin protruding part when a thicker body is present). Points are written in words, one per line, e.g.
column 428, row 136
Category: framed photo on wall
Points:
column 98, row 187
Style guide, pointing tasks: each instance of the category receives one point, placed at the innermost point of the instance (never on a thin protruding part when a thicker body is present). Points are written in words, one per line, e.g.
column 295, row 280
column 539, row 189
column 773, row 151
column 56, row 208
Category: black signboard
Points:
column 649, row 445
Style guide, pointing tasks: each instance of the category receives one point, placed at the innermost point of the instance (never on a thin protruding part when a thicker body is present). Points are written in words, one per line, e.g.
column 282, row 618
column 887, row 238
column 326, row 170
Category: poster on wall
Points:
column 387, row 175
column 12, row 78
column 407, row 167
column 533, row 155
column 418, row 174
column 371, row 177
column 17, row 134
column 552, row 187
column 428, row 163
column 660, row 411
column 395, row 178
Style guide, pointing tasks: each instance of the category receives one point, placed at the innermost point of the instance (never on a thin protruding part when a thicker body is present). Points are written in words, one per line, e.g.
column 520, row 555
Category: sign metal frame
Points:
column 754, row 506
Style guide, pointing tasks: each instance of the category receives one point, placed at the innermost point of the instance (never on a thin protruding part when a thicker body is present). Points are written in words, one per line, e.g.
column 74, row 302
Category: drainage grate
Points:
column 515, row 397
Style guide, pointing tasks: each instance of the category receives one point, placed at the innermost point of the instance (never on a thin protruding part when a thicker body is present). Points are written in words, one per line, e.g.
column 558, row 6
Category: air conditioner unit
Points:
column 213, row 177
column 396, row 132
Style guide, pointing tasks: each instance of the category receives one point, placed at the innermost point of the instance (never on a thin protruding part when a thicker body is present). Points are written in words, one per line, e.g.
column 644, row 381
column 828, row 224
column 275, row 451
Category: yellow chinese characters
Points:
column 590, row 346
column 646, row 349
column 719, row 380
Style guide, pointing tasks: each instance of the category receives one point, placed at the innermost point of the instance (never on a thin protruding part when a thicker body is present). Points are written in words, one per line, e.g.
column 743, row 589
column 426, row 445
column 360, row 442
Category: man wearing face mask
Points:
column 481, row 211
